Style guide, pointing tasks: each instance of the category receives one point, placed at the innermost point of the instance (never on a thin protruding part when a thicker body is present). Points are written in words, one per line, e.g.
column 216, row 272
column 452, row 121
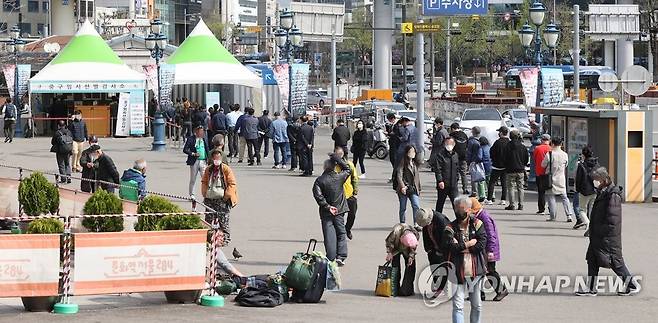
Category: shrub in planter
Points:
column 37, row 195
column 103, row 202
column 153, row 204
column 45, row 226
column 180, row 222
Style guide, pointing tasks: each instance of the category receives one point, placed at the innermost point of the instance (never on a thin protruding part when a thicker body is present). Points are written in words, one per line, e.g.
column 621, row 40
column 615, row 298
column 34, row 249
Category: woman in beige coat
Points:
column 555, row 164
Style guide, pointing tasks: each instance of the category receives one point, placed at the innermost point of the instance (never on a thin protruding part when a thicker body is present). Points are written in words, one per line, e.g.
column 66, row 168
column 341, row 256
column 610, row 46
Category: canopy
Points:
column 201, row 59
column 87, row 64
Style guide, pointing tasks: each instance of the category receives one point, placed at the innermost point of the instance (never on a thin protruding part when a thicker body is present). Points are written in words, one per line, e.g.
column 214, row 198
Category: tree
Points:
column 358, row 35
column 649, row 22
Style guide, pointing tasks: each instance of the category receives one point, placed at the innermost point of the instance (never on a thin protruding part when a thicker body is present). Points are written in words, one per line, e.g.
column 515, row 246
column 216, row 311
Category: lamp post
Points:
column 156, row 43
column 16, row 45
column 289, row 40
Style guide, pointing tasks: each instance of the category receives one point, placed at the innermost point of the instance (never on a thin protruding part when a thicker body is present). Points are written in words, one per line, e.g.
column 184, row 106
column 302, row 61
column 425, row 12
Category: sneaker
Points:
column 569, row 218
column 502, row 202
column 473, row 195
column 487, row 202
column 362, row 176
column 541, row 212
column 276, row 167
column 481, row 200
column 340, row 262
column 550, row 220
column 629, row 291
column 499, row 297
column 510, row 207
column 520, row 208
column 586, row 293
column 291, row 170
column 192, row 197
column 466, row 192
column 579, row 224
column 283, row 166
column 250, row 164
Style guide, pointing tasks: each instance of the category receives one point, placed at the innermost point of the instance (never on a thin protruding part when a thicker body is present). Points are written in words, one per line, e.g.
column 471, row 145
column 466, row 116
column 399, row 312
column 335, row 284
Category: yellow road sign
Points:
column 254, row 29
column 427, row 27
column 407, row 27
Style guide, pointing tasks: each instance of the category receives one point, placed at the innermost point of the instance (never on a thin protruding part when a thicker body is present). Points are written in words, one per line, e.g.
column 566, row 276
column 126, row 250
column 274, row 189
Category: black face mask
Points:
column 461, row 216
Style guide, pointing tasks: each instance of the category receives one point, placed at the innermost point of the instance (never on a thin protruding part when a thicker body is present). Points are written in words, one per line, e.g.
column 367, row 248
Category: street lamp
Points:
column 156, row 43
column 16, row 45
column 289, row 40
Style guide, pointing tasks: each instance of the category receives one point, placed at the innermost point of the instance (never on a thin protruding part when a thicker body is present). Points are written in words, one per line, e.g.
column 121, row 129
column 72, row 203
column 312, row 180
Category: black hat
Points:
column 94, row 147
column 404, row 119
column 503, row 129
column 198, row 127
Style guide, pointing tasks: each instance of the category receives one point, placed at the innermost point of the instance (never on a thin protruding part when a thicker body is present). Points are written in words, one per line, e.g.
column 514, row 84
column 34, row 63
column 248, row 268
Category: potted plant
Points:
column 103, row 202
column 37, row 196
column 157, row 204
column 42, row 226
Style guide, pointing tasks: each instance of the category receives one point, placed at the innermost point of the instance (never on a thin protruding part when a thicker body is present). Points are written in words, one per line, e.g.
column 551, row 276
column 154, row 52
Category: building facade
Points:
column 31, row 17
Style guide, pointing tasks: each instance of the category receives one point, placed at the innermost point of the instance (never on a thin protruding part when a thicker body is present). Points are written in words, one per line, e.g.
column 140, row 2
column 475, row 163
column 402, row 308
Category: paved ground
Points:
column 277, row 215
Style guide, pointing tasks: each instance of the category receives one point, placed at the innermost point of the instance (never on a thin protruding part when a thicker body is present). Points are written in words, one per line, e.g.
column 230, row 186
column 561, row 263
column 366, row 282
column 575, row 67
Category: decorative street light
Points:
column 289, row 40
column 16, row 45
column 156, row 43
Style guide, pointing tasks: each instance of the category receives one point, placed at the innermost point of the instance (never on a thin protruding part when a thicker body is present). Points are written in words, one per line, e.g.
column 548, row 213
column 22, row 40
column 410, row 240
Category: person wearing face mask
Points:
column 89, row 167
column 604, row 248
column 497, row 154
column 446, row 173
column 465, row 240
column 406, row 181
column 78, row 130
column 585, row 186
column 107, row 171
column 133, row 182
column 438, row 138
column 220, row 192
column 403, row 241
column 359, row 147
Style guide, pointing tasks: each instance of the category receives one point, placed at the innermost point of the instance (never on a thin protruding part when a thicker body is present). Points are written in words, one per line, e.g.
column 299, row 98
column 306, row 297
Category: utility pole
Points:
column 333, row 77
column 447, row 74
column 576, row 52
column 404, row 48
column 420, row 94
column 431, row 64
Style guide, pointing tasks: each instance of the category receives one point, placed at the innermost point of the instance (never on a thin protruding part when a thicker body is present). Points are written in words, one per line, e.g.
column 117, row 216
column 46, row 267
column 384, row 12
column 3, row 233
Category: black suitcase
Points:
column 319, row 281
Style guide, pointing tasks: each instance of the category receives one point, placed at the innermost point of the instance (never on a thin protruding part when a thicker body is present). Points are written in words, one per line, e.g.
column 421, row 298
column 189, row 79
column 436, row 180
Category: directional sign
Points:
column 254, row 29
column 407, row 27
column 426, row 27
column 455, row 7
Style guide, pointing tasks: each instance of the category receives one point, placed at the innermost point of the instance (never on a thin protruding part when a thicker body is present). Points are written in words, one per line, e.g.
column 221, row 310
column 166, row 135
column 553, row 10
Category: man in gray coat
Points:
column 250, row 129
column 329, row 194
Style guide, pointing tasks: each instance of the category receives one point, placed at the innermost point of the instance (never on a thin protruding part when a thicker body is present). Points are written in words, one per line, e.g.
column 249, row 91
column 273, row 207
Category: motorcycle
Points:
column 378, row 145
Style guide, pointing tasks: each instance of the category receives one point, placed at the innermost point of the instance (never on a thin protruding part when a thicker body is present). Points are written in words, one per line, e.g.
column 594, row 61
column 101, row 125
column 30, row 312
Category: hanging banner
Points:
column 529, row 78
column 133, row 262
column 299, row 88
column 123, row 115
column 9, row 71
column 24, row 71
column 151, row 73
column 212, row 98
column 167, row 73
column 137, row 114
column 281, row 76
column 553, row 86
column 29, row 265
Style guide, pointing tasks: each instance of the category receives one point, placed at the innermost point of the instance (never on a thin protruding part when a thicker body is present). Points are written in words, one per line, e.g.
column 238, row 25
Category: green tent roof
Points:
column 201, row 46
column 87, row 46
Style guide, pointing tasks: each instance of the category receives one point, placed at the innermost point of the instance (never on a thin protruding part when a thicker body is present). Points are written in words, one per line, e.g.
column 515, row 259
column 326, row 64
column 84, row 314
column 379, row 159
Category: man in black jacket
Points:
column 264, row 134
column 293, row 137
column 219, row 123
column 305, row 144
column 107, row 171
column 78, row 130
column 585, row 187
column 329, row 194
column 62, row 146
column 516, row 158
column 89, row 167
column 497, row 153
column 446, row 170
column 434, row 224
column 460, row 148
column 341, row 136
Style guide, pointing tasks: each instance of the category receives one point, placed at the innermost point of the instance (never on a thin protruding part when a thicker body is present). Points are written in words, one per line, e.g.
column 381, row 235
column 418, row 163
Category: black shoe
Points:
column 473, row 195
column 586, row 293
column 540, row 212
column 499, row 297
column 510, row 207
column 239, row 161
column 466, row 192
column 258, row 164
column 6, row 140
column 579, row 224
column 520, row 207
column 349, row 235
column 628, row 291
column 250, row 164
column 292, row 169
column 481, row 199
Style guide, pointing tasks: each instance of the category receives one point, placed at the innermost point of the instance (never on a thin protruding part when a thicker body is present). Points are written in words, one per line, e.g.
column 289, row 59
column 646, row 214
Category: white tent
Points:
column 201, row 59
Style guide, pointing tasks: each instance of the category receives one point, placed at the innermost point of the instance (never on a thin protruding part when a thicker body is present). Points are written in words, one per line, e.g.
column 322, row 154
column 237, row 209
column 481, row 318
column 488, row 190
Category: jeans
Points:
column 78, row 147
column 198, row 168
column 552, row 206
column 252, row 146
column 541, row 193
column 497, row 174
column 9, row 129
column 515, row 188
column 358, row 157
column 280, row 153
column 335, row 236
column 473, row 289
column 351, row 215
column 585, row 206
column 463, row 167
column 263, row 140
column 442, row 194
column 64, row 166
column 621, row 271
column 232, row 142
column 415, row 205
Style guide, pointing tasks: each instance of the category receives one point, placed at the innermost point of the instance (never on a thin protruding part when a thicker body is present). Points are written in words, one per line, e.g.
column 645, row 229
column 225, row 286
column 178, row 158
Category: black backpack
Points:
column 10, row 111
column 259, row 297
column 65, row 143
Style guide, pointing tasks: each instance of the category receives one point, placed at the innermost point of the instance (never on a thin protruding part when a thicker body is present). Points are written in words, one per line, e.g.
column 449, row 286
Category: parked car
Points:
column 413, row 87
column 518, row 119
column 317, row 97
column 488, row 119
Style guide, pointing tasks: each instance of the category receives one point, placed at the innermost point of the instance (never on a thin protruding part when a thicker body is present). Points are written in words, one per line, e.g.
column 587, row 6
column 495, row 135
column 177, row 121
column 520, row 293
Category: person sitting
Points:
column 133, row 182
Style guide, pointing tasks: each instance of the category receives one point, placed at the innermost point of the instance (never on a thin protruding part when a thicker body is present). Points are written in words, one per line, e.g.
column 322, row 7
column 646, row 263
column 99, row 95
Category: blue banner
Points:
column 268, row 76
column 455, row 7
column 552, row 86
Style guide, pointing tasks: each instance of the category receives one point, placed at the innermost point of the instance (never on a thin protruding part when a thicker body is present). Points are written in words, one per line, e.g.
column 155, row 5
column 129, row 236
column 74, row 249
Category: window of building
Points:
column 248, row 19
column 9, row 5
column 40, row 29
column 3, row 27
column 87, row 9
column 33, row 6
column 44, row 6
column 26, row 28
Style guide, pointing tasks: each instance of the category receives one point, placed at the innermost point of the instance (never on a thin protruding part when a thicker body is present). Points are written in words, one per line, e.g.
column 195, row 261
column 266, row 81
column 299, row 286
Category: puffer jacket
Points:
column 328, row 188
column 605, row 229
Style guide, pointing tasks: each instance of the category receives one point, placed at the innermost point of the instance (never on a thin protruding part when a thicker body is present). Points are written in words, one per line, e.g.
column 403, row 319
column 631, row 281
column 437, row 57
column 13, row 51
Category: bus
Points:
column 589, row 77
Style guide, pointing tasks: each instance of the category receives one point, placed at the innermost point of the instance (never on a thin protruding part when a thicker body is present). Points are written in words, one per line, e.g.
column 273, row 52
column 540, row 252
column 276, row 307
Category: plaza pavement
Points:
column 277, row 215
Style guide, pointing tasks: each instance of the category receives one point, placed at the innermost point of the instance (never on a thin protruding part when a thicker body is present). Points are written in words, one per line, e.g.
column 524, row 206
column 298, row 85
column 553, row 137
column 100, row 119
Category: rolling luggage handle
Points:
column 315, row 243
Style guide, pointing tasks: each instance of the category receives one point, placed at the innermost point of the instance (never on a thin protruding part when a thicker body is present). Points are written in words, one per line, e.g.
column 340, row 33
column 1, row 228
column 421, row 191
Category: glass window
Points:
column 44, row 6
column 577, row 139
column 33, row 6
column 520, row 114
column 9, row 5
column 481, row 114
column 26, row 28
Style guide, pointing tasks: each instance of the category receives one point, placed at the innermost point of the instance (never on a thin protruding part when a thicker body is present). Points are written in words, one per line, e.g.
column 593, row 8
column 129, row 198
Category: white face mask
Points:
column 449, row 148
column 596, row 183
column 217, row 162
